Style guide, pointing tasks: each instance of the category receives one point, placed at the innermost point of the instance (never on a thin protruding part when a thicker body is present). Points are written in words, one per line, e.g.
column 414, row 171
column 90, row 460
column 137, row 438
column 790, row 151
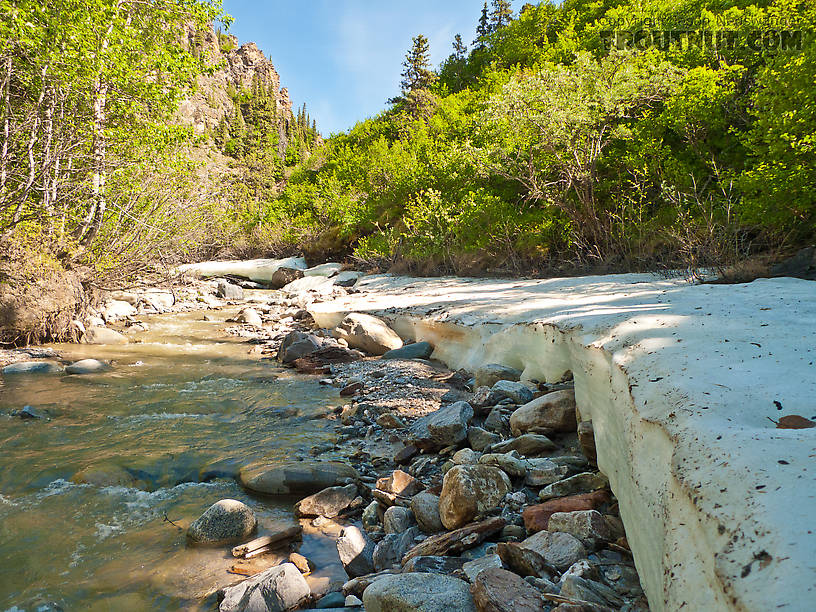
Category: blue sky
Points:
column 344, row 57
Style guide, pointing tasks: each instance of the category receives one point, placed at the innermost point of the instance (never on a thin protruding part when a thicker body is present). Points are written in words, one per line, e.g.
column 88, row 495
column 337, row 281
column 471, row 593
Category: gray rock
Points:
column 250, row 316
column 495, row 421
column 117, row 309
column 296, row 345
column 389, row 420
column 558, row 549
column 327, row 269
column 509, row 463
column 228, row 291
column 87, row 366
column 470, row 491
column 516, row 391
column 584, row 482
column 434, row 565
column 332, row 600
column 528, row 445
column 574, row 587
column 32, row 367
column 225, row 522
column 347, row 278
column 479, row 438
column 398, row 519
column 417, row 350
column 541, row 476
column 283, row 276
column 367, row 333
column 589, row 526
column 300, row 477
column 488, row 375
column 329, row 502
column 425, row 507
column 465, row 456
column 392, row 548
column 29, row 412
column 371, row 517
column 400, row 483
column 103, row 335
column 356, row 552
column 475, row 567
column 277, row 589
column 552, row 412
column 445, row 427
column 415, row 592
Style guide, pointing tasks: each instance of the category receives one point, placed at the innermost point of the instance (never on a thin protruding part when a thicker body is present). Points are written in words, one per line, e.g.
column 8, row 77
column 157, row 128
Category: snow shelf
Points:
column 680, row 382
column 258, row 270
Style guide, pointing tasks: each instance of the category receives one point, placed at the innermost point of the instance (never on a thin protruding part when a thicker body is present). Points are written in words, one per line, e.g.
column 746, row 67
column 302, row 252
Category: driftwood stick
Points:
column 266, row 541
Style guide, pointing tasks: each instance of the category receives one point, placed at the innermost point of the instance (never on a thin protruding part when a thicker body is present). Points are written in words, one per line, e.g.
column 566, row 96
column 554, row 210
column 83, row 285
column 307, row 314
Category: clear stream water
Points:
column 185, row 404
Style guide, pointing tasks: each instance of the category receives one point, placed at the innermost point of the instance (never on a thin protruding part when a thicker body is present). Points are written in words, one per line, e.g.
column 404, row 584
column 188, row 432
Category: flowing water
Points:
column 174, row 417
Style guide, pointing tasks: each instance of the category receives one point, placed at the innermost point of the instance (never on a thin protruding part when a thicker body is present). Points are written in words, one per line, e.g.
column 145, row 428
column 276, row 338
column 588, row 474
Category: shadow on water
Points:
column 84, row 493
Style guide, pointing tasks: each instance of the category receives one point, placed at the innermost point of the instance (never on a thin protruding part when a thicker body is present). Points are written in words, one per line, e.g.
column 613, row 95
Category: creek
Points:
column 162, row 433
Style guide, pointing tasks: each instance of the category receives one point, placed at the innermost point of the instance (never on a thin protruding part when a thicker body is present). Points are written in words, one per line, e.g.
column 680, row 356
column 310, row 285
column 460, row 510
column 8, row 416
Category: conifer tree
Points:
column 484, row 29
column 417, row 64
column 459, row 48
column 502, row 14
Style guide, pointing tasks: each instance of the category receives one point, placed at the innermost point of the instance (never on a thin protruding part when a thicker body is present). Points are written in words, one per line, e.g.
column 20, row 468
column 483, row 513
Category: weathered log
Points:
column 456, row 541
column 290, row 533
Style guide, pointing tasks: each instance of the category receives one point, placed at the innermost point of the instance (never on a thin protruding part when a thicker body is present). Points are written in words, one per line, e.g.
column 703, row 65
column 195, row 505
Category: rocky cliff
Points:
column 237, row 68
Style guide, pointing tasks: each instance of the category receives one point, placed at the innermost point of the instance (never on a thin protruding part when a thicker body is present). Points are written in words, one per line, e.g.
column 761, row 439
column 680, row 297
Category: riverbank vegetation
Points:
column 609, row 135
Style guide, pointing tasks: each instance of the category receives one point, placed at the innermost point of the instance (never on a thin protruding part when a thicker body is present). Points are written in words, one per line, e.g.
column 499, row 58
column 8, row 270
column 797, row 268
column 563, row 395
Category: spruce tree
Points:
column 483, row 30
column 417, row 64
column 459, row 48
column 502, row 14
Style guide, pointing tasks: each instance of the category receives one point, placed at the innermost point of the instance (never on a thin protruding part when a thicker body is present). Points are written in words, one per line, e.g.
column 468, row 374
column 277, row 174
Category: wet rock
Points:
column 552, row 412
column 228, row 291
column 479, row 438
column 473, row 568
column 329, row 502
column 103, row 335
column 434, row 565
column 29, row 413
column 510, row 463
column 586, row 438
column 580, row 483
column 87, row 366
column 302, row 477
column 488, row 375
column 415, row 592
column 559, row 550
column 367, row 333
column 225, row 522
column 356, row 552
column 497, row 590
column 277, row 589
column 417, row 350
column 469, row 491
column 529, row 445
column 536, row 518
column 304, row 565
column 107, row 475
column 425, row 508
column 589, row 526
column 516, row 391
column 250, row 316
column 331, row 600
column 574, row 587
column 390, row 550
column 398, row 519
column 32, row 367
column 297, row 345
